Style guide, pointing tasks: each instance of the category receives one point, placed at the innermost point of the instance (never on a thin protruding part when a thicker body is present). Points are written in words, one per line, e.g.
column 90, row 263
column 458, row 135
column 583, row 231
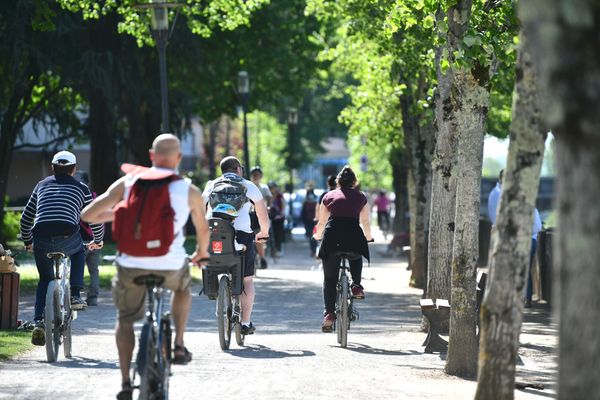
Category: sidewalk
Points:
column 288, row 357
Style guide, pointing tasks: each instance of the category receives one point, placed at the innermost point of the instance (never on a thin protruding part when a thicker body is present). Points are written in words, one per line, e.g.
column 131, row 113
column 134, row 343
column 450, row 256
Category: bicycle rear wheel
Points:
column 343, row 320
column 145, row 364
column 52, row 321
column 166, row 333
column 68, row 322
column 237, row 325
column 224, row 312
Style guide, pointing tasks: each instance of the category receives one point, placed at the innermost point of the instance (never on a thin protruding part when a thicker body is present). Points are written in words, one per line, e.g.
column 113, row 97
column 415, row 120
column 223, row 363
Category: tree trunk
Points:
column 12, row 123
column 102, row 134
column 471, row 102
column 502, row 308
column 443, row 190
column 567, row 55
column 443, row 183
column 398, row 161
column 419, row 144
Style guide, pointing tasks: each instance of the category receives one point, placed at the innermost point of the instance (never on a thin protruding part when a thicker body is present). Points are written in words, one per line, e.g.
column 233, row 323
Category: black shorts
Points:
column 247, row 239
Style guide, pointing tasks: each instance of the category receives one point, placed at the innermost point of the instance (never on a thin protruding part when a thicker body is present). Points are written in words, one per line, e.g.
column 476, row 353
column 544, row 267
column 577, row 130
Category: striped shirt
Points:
column 54, row 209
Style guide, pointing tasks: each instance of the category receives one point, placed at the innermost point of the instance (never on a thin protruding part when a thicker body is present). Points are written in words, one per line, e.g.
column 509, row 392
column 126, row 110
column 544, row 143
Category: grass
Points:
column 13, row 343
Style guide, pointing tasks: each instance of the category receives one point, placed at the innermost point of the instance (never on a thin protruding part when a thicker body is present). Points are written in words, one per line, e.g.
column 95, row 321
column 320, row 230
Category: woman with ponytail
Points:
column 341, row 215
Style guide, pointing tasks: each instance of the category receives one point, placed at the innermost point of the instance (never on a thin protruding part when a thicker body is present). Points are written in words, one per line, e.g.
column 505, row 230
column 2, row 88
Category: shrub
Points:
column 11, row 225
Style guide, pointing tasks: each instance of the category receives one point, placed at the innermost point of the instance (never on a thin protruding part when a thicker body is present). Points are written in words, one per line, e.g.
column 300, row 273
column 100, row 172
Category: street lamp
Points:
column 161, row 33
column 243, row 89
column 292, row 122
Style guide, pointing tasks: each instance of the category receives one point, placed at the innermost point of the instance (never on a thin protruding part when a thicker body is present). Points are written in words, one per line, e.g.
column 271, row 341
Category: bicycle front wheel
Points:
column 224, row 313
column 52, row 318
column 68, row 323
column 343, row 319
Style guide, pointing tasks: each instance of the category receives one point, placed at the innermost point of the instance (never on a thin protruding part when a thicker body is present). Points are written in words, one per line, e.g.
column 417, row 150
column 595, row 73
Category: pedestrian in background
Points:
column 92, row 256
column 308, row 219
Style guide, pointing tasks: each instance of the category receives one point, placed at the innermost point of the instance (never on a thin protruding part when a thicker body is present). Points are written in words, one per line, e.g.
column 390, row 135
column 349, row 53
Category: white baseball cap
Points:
column 64, row 156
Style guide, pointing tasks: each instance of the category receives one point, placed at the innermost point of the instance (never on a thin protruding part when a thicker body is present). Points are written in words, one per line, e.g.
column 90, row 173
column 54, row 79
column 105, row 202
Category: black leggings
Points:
column 278, row 232
column 331, row 268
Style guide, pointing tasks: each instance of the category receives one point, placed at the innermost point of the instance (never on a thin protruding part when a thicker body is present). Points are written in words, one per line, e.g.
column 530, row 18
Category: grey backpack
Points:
column 229, row 189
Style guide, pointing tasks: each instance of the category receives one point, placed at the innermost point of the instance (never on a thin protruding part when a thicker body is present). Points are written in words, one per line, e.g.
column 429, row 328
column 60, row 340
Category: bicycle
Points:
column 153, row 360
column 345, row 312
column 58, row 315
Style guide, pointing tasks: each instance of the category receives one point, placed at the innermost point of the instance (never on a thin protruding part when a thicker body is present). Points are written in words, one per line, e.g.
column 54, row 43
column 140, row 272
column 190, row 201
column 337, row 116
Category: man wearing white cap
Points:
column 50, row 223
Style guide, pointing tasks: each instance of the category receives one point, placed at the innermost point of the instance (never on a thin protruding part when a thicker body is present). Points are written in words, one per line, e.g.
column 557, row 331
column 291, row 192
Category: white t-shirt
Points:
column 242, row 222
column 175, row 258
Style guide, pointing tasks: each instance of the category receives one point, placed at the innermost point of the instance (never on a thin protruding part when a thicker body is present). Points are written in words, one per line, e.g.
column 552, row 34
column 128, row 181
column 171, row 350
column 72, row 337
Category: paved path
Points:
column 288, row 357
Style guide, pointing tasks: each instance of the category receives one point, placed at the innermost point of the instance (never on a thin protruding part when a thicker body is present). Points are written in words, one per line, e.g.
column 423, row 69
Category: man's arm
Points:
column 27, row 219
column 196, row 203
column 100, row 209
column 263, row 219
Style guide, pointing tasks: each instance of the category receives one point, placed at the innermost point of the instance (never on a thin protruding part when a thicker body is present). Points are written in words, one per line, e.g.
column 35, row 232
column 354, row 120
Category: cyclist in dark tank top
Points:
column 341, row 215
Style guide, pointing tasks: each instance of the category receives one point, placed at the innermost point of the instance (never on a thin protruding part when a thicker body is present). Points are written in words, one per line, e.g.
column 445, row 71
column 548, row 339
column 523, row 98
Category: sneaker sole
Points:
column 358, row 297
column 78, row 307
column 327, row 329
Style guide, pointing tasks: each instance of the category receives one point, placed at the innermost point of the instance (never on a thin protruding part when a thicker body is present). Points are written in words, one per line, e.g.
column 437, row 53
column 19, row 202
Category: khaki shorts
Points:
column 129, row 298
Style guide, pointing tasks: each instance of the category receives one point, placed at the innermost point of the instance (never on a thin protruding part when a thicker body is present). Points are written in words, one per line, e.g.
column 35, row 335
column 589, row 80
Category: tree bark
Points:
column 398, row 161
column 502, row 307
column 567, row 56
column 443, row 183
column 11, row 124
column 102, row 134
column 419, row 144
column 471, row 101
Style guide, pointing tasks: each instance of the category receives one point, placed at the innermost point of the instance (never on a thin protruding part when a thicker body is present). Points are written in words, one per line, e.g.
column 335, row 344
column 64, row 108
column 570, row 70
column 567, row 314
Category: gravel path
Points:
column 288, row 357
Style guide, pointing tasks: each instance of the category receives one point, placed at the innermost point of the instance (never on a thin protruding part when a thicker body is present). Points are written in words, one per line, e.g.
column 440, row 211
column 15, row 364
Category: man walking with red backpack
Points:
column 149, row 208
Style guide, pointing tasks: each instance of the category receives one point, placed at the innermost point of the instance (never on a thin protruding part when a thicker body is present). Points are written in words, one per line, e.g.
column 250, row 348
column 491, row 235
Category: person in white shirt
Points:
column 185, row 200
column 493, row 202
column 256, row 176
column 244, row 233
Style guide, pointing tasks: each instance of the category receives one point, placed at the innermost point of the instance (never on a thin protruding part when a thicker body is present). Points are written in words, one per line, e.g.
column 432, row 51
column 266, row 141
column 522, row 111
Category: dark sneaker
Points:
column 92, row 301
column 328, row 320
column 263, row 263
column 358, row 292
column 38, row 336
column 248, row 329
column 77, row 303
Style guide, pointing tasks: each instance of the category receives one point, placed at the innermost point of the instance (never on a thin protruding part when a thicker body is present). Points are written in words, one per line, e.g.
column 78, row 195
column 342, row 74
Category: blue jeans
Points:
column 72, row 246
column 92, row 259
column 529, row 291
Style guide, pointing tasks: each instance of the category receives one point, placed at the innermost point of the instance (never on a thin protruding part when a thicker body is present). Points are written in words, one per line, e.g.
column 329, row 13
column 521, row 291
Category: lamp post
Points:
column 160, row 32
column 243, row 89
column 292, row 122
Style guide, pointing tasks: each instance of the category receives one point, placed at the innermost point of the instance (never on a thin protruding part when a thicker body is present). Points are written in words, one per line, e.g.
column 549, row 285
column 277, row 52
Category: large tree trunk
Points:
column 443, row 183
column 102, row 134
column 419, row 143
column 12, row 122
column 567, row 54
column 471, row 102
column 398, row 161
column 502, row 308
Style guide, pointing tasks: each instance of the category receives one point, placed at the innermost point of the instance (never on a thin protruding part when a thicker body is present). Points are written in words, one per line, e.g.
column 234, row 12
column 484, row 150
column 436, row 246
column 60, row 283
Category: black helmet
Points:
column 256, row 168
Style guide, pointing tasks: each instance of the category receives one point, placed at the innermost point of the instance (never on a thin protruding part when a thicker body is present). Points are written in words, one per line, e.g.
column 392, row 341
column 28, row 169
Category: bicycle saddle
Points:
column 149, row 280
column 55, row 254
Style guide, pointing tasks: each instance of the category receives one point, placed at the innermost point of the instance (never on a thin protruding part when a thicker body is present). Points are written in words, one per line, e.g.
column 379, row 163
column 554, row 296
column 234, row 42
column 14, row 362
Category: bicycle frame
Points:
column 58, row 313
column 151, row 371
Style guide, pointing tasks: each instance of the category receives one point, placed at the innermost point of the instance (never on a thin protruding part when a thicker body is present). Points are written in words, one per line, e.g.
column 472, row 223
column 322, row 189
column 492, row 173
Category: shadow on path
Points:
column 260, row 351
column 363, row 348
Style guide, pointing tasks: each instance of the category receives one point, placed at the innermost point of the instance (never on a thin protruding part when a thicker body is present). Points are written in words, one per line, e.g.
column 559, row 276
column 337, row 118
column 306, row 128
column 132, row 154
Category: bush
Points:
column 11, row 225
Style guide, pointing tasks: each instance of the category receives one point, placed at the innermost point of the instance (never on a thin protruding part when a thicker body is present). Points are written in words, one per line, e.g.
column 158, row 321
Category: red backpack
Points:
column 143, row 223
